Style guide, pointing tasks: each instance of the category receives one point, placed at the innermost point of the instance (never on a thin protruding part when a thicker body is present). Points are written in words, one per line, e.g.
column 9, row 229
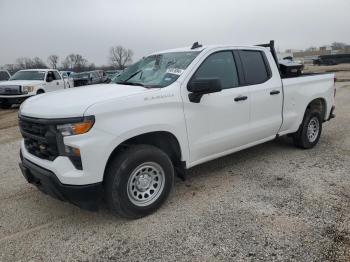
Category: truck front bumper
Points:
column 84, row 196
column 13, row 99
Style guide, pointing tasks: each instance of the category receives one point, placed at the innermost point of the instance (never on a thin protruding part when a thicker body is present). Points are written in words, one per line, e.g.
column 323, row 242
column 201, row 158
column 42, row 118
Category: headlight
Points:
column 27, row 89
column 77, row 128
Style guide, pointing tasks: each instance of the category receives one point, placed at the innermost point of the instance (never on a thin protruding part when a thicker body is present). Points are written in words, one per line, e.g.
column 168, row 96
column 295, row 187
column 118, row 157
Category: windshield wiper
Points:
column 130, row 83
column 138, row 84
column 134, row 74
column 125, row 82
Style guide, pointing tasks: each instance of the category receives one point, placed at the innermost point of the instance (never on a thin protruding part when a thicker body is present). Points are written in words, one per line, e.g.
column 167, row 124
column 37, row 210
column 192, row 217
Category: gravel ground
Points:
column 272, row 202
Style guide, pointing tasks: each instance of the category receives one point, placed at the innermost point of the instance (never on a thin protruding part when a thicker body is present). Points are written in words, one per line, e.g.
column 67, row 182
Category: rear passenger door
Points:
column 266, row 95
column 58, row 81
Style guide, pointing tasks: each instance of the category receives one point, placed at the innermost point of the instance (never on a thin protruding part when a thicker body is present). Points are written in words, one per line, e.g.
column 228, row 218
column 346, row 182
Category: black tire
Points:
column 40, row 91
column 301, row 138
column 118, row 178
column 5, row 105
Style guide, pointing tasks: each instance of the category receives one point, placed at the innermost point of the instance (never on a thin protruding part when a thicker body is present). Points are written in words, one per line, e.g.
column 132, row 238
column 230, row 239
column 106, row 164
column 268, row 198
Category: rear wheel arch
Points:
column 315, row 109
column 318, row 104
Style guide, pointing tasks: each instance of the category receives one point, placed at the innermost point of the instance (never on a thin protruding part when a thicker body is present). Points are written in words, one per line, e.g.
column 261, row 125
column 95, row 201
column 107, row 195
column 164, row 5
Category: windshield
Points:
column 29, row 75
column 158, row 70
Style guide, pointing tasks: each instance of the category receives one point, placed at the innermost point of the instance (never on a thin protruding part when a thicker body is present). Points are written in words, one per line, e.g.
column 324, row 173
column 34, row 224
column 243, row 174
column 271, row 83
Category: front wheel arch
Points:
column 163, row 140
column 40, row 91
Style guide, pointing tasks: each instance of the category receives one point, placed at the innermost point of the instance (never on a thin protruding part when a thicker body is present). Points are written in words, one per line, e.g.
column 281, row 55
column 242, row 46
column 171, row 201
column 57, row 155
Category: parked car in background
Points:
column 70, row 73
column 170, row 111
column 4, row 75
column 27, row 83
column 115, row 77
column 89, row 78
column 103, row 76
column 113, row 73
column 68, row 79
column 334, row 59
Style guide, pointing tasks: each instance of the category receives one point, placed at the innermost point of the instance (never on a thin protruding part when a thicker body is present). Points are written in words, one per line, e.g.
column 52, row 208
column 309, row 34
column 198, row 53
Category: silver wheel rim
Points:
column 313, row 129
column 145, row 184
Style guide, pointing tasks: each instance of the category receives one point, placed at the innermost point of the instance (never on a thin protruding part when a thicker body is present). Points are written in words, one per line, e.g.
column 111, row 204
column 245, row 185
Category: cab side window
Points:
column 219, row 65
column 50, row 76
column 57, row 75
column 4, row 76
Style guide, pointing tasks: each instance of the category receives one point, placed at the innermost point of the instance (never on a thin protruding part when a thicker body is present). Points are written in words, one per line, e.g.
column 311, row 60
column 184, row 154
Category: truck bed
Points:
column 304, row 75
column 298, row 91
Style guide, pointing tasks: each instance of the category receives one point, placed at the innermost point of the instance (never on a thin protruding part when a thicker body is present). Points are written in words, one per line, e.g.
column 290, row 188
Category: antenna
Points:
column 196, row 45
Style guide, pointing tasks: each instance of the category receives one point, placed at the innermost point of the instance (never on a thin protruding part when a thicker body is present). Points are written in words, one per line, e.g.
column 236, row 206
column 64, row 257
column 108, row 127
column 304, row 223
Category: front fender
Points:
column 182, row 140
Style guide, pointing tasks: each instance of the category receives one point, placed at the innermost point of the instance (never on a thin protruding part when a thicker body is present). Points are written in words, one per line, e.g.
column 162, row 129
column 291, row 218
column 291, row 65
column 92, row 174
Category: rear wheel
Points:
column 138, row 181
column 309, row 131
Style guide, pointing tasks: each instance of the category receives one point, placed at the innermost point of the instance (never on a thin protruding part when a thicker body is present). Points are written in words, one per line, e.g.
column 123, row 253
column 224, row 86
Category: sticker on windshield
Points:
column 175, row 71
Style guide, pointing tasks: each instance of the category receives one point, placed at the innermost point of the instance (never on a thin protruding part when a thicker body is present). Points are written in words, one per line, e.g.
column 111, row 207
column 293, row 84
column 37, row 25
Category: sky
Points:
column 40, row 28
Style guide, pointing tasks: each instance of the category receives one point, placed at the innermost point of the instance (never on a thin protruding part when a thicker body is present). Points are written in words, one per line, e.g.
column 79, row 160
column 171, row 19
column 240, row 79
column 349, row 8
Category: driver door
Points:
column 219, row 122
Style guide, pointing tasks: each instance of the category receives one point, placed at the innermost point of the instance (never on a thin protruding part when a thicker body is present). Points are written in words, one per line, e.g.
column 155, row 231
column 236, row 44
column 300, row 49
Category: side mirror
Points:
column 200, row 87
column 49, row 79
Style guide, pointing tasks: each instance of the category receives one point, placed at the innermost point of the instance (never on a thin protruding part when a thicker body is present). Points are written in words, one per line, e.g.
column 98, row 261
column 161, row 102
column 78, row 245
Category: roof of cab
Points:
column 206, row 47
column 39, row 69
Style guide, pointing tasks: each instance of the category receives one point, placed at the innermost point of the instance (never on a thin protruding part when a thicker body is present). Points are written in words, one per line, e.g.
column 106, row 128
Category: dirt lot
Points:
column 272, row 202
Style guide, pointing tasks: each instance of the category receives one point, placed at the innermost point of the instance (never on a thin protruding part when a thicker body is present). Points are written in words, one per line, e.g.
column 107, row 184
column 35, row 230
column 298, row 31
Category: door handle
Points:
column 57, row 83
column 274, row 92
column 240, row 98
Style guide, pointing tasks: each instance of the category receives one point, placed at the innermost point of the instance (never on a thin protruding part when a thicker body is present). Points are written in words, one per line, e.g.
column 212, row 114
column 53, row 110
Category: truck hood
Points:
column 74, row 102
column 20, row 82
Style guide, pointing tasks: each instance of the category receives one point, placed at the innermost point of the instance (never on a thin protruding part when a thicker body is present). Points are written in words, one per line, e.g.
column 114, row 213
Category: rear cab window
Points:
column 255, row 67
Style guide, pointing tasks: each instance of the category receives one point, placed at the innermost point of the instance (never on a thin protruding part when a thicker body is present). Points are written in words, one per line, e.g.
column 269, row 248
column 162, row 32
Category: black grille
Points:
column 39, row 138
column 10, row 90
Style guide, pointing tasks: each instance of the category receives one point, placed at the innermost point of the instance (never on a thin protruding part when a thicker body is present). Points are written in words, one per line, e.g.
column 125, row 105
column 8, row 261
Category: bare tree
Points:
column 75, row 62
column 120, row 56
column 339, row 45
column 28, row 63
column 24, row 63
column 38, row 63
column 12, row 68
column 53, row 61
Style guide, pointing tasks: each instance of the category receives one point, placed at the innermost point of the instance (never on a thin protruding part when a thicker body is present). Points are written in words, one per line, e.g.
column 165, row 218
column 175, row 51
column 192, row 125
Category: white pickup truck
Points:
column 172, row 110
column 26, row 83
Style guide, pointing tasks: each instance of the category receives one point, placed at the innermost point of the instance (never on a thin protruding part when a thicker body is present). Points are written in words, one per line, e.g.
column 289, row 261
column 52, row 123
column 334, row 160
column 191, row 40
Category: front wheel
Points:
column 309, row 131
column 138, row 181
